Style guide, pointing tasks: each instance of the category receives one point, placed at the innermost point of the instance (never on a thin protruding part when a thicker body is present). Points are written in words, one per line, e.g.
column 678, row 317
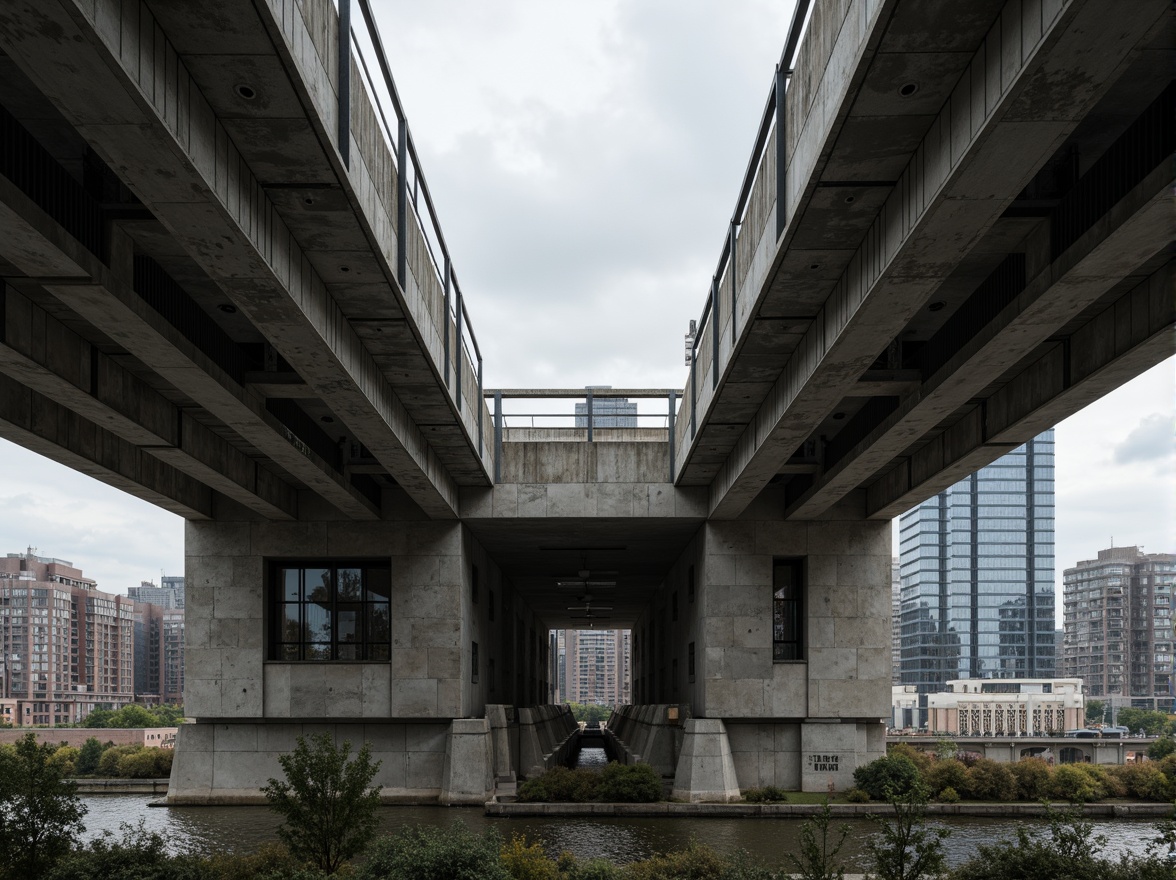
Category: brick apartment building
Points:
column 66, row 648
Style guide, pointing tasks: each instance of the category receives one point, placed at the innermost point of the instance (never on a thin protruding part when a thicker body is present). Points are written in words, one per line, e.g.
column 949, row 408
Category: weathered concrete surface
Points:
column 705, row 770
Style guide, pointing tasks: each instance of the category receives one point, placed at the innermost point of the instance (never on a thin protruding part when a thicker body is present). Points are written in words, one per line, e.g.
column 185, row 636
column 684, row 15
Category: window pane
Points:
column 347, row 623
column 318, row 585
column 349, row 585
column 318, row 623
column 290, row 579
column 348, row 652
column 377, row 652
column 379, row 630
column 318, row 652
column 290, row 626
column 378, row 583
column 288, row 652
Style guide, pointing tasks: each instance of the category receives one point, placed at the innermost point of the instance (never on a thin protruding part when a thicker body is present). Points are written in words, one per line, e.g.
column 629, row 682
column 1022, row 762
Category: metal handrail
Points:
column 404, row 153
column 772, row 117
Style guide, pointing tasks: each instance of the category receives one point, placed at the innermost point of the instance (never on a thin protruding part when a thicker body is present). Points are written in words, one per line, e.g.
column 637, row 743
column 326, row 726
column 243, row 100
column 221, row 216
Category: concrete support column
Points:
column 830, row 751
column 467, row 776
column 705, row 769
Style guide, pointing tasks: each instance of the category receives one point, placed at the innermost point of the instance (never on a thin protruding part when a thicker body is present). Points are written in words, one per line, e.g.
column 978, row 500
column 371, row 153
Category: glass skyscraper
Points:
column 977, row 568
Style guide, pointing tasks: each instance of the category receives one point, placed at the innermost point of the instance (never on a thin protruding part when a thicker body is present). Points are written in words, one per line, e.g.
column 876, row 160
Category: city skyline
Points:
column 561, row 144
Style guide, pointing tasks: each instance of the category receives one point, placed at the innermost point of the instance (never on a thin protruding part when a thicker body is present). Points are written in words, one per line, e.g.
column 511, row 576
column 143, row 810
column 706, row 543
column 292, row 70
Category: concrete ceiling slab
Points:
column 219, row 76
column 346, row 267
column 838, row 217
column 279, row 150
column 875, row 147
column 367, row 302
column 919, row 25
column 320, row 219
column 212, row 26
column 934, row 75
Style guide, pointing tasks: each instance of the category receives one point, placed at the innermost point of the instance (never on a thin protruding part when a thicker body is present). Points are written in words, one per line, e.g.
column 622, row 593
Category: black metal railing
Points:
column 772, row 119
column 412, row 195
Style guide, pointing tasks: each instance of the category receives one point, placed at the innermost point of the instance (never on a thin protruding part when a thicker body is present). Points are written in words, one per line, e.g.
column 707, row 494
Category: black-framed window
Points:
column 474, row 585
column 690, row 585
column 330, row 611
column 690, row 662
column 787, row 610
column 473, row 662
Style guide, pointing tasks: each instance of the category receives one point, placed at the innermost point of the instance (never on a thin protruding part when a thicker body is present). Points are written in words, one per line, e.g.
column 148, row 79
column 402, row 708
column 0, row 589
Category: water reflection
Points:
column 243, row 829
column 591, row 759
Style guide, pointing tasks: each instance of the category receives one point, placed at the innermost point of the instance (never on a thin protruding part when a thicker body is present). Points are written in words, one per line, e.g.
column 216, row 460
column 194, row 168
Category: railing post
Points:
column 781, row 152
column 731, row 268
column 345, row 82
column 445, row 317
column 460, row 358
column 693, row 389
column 481, row 409
column 497, row 437
column 589, row 415
column 715, row 330
column 402, row 204
column 671, row 424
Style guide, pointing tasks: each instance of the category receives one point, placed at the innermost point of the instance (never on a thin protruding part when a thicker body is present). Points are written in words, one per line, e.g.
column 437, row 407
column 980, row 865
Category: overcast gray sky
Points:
column 585, row 160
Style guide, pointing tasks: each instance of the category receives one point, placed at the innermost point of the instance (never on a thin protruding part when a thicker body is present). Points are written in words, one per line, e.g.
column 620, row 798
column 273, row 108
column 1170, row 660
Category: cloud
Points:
column 1151, row 439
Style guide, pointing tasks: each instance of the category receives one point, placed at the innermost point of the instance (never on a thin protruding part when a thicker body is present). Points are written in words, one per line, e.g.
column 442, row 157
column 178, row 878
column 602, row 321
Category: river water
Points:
column 243, row 829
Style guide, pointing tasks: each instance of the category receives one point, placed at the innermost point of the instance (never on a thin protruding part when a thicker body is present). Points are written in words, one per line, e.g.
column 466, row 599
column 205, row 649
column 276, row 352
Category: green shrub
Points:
column 527, row 861
column 918, row 757
column 820, row 847
column 1144, row 781
column 991, row 781
column 108, row 763
column 271, row 861
column 857, row 796
column 904, row 847
column 629, row 784
column 1032, row 775
column 1072, row 783
column 593, row 869
column 560, row 785
column 888, row 777
column 1107, row 780
column 769, row 794
column 146, row 763
column 138, row 855
column 947, row 773
column 424, row 853
column 948, row 796
column 66, row 757
column 696, row 862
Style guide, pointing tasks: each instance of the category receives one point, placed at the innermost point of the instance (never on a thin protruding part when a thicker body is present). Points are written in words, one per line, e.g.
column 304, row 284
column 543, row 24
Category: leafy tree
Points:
column 905, row 848
column 134, row 716
column 590, row 712
column 40, row 813
column 1161, row 748
column 1071, row 782
column 1094, row 711
column 328, row 808
column 946, row 748
column 989, row 780
column 948, row 773
column 888, row 777
column 1033, row 776
column 88, row 757
column 1148, row 720
column 819, row 848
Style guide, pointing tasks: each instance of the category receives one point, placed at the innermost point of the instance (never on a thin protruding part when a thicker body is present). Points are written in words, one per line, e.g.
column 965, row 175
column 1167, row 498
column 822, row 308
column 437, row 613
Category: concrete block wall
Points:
column 788, row 723
column 250, row 709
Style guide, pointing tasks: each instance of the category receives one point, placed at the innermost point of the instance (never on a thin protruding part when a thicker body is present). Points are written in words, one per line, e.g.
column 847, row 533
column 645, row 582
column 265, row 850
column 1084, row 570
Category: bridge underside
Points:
column 220, row 293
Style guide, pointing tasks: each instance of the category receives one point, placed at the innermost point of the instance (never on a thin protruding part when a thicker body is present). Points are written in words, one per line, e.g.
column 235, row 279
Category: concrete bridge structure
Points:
column 226, row 291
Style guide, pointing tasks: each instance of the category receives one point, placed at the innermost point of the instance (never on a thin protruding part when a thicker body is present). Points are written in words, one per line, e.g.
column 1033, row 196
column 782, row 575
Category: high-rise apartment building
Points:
column 170, row 593
column 1119, row 633
column 595, row 667
column 66, row 647
column 159, row 654
column 977, row 567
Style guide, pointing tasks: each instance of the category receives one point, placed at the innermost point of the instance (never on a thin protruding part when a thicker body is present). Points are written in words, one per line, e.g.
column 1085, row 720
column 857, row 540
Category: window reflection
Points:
column 330, row 613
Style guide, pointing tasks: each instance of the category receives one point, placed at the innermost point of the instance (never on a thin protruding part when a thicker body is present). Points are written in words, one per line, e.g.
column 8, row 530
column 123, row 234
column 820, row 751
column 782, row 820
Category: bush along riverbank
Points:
column 951, row 777
column 328, row 807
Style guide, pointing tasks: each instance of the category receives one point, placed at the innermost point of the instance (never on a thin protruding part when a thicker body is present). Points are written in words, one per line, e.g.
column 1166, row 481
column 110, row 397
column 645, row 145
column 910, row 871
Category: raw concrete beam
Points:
column 1129, row 337
column 1134, row 230
column 1040, row 69
column 37, row 245
column 35, row 422
column 172, row 150
column 41, row 353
